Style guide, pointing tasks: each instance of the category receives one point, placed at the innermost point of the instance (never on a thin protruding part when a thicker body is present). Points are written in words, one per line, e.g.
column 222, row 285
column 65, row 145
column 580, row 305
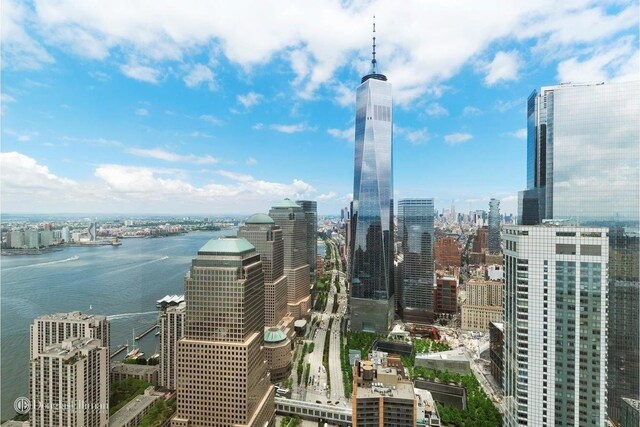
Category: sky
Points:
column 199, row 107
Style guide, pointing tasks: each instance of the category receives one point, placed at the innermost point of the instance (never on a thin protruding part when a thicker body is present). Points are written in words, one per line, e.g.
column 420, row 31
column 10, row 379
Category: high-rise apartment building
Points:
column 222, row 376
column 171, row 330
column 494, row 226
column 310, row 208
column 583, row 163
column 293, row 222
column 416, row 235
column 51, row 329
column 371, row 250
column 446, row 253
column 483, row 305
column 263, row 233
column 555, row 322
column 70, row 384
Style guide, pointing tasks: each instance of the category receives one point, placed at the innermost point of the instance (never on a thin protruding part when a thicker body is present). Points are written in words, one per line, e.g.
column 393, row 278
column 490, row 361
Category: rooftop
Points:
column 274, row 335
column 286, row 203
column 227, row 245
column 131, row 410
column 455, row 354
column 259, row 218
column 74, row 315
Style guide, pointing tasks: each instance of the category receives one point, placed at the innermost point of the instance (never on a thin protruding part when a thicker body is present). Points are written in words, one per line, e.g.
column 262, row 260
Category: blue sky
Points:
column 219, row 107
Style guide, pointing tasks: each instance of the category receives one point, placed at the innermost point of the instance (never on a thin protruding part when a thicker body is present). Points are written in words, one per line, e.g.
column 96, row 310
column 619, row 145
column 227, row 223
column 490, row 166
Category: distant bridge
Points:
column 314, row 411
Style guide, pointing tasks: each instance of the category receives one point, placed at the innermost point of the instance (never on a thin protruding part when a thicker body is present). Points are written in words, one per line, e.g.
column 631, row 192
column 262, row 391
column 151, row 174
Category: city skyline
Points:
column 206, row 113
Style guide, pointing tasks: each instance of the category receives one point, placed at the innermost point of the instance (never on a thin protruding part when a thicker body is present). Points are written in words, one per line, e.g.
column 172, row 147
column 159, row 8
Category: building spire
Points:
column 373, row 59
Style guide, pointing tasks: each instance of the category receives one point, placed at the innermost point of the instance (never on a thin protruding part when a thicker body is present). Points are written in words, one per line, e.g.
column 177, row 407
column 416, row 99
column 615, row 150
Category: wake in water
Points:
column 127, row 315
column 41, row 264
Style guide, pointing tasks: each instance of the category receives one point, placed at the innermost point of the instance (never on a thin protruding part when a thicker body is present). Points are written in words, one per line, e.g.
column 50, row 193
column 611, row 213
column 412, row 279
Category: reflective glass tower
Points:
column 371, row 244
column 583, row 167
column 415, row 232
column 494, row 226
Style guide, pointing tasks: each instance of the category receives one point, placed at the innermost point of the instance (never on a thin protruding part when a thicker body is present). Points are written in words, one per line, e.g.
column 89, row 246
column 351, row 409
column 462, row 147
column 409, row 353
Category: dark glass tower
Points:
column 310, row 208
column 371, row 244
column 583, row 167
column 415, row 232
column 494, row 226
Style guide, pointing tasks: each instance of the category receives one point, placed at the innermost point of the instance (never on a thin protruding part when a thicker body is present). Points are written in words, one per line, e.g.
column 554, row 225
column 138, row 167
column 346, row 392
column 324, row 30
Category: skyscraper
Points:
column 263, row 233
column 171, row 330
column 70, row 384
column 291, row 219
column 583, row 163
column 371, row 250
column 415, row 231
column 555, row 321
column 494, row 226
column 310, row 208
column 222, row 377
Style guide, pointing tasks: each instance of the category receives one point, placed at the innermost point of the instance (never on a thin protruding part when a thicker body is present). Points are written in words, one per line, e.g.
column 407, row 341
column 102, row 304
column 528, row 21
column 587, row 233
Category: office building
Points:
column 263, row 233
column 222, row 378
column 293, row 223
column 630, row 416
column 51, row 329
column 70, row 384
column 483, row 305
column 583, row 163
column 555, row 322
column 447, row 253
column 371, row 244
column 480, row 240
column 277, row 353
column 382, row 394
column 416, row 235
column 310, row 209
column 171, row 330
column 494, row 226
column 496, row 351
column 446, row 295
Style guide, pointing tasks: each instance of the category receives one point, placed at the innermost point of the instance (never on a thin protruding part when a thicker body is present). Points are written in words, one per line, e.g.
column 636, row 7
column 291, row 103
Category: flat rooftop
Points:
column 74, row 315
column 132, row 409
column 455, row 355
column 401, row 390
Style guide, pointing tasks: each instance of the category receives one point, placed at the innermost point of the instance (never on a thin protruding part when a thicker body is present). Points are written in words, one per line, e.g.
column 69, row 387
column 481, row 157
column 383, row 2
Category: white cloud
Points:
column 258, row 126
column 168, row 156
column 294, row 128
column 21, row 136
column 504, row 67
column 436, row 110
column 211, row 119
column 417, row 137
column 19, row 49
column 142, row 112
column 327, row 196
column 504, row 106
column 141, row 72
column 520, row 133
column 457, row 138
column 170, row 31
column 197, row 134
column 250, row 99
column 200, row 74
column 470, row 110
column 346, row 134
column 22, row 172
column 617, row 61
column 251, row 161
column 6, row 98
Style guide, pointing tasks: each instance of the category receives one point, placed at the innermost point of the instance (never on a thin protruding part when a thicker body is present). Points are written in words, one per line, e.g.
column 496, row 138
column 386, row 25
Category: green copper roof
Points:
column 286, row 203
column 259, row 218
column 274, row 335
column 227, row 245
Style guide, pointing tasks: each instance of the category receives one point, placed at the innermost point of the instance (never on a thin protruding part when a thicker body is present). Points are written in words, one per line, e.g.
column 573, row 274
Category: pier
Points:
column 118, row 351
column 152, row 328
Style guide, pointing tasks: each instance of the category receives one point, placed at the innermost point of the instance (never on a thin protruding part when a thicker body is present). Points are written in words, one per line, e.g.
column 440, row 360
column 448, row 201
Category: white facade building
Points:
column 555, row 323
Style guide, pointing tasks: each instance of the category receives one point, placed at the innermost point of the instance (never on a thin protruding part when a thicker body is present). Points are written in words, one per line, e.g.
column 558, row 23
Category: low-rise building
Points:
column 452, row 360
column 133, row 412
column 277, row 352
column 122, row 371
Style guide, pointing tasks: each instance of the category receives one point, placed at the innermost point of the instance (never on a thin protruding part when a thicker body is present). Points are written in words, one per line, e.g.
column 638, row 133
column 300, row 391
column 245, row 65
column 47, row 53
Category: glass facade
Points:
column 415, row 232
column 584, row 158
column 494, row 226
column 371, row 245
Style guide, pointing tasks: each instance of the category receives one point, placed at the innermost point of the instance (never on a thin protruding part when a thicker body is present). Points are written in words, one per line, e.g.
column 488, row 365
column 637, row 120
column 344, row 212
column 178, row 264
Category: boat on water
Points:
column 135, row 352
